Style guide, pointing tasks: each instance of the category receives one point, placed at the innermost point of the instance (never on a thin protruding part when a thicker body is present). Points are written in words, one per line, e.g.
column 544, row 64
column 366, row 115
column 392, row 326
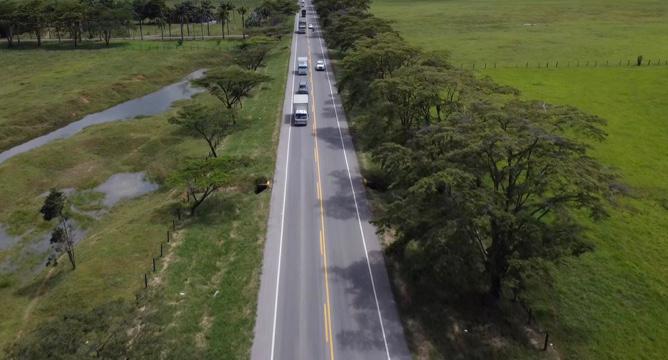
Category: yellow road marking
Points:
column 324, row 315
column 328, row 322
column 321, row 242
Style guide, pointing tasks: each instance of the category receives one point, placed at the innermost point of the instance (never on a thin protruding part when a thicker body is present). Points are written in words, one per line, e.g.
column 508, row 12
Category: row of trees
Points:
column 104, row 19
column 202, row 177
column 485, row 189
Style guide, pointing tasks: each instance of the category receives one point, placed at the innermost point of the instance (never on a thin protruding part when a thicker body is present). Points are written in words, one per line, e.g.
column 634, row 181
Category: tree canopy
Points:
column 201, row 178
column 232, row 84
column 212, row 125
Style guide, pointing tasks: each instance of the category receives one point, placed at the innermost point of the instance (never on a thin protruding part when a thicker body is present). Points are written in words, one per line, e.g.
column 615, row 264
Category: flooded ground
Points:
column 6, row 240
column 31, row 250
column 150, row 104
column 125, row 186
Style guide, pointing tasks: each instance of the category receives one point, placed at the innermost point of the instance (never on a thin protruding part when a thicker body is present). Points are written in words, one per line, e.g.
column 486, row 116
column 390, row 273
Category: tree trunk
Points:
column 141, row 31
column 201, row 29
column 10, row 37
column 243, row 27
column 495, row 287
column 39, row 38
column 208, row 29
column 222, row 27
column 181, row 30
column 188, row 27
column 169, row 26
column 162, row 31
column 70, row 255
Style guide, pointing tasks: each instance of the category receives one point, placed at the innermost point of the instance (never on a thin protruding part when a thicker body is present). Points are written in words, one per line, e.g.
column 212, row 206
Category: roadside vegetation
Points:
column 490, row 194
column 606, row 304
column 200, row 301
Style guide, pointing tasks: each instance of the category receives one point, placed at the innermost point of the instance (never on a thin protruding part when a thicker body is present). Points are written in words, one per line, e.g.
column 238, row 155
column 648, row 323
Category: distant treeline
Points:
column 76, row 20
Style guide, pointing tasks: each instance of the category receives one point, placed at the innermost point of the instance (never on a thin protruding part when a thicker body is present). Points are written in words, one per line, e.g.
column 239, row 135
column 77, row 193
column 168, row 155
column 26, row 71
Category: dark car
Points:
column 302, row 88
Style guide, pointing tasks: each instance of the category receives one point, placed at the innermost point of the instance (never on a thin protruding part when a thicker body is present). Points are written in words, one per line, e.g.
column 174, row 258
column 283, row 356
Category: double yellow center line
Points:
column 327, row 309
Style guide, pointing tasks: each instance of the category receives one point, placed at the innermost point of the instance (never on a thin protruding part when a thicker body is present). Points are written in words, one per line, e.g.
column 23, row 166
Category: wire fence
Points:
column 164, row 245
column 640, row 62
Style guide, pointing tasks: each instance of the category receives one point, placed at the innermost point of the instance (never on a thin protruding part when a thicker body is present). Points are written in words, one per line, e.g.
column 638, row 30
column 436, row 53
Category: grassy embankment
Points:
column 219, row 251
column 45, row 90
column 610, row 304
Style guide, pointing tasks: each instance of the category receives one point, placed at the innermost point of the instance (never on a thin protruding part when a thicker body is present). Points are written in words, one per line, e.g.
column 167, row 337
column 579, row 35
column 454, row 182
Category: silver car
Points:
column 302, row 87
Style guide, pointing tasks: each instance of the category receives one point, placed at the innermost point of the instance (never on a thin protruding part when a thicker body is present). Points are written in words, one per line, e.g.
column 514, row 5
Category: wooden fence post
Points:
column 547, row 338
column 153, row 264
column 145, row 281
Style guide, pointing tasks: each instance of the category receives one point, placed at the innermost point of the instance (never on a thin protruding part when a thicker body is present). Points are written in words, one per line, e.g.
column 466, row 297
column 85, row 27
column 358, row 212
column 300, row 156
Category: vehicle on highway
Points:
column 303, row 12
column 302, row 88
column 310, row 26
column 302, row 65
column 320, row 65
column 300, row 104
column 301, row 27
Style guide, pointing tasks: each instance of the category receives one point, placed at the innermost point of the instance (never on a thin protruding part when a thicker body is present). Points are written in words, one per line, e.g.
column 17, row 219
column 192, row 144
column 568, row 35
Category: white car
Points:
column 320, row 65
column 310, row 26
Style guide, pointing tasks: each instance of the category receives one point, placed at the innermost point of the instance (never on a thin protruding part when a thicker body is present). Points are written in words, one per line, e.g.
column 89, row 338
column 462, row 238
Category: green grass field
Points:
column 610, row 304
column 516, row 31
column 220, row 251
column 43, row 90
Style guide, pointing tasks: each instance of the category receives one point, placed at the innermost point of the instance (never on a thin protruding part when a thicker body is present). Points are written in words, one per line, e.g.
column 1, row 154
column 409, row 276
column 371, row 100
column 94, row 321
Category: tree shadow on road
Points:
column 339, row 200
column 367, row 336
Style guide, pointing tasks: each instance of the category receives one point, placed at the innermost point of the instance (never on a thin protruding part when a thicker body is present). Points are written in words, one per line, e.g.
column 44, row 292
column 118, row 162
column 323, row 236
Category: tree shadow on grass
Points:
column 40, row 286
column 463, row 328
column 218, row 208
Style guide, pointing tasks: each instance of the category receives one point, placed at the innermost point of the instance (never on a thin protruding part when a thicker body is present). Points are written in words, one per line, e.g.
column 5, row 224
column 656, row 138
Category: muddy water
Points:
column 147, row 105
column 6, row 240
column 125, row 186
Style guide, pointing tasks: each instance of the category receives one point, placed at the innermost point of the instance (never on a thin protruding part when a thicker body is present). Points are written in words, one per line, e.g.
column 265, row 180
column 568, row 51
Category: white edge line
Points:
column 357, row 210
column 285, row 192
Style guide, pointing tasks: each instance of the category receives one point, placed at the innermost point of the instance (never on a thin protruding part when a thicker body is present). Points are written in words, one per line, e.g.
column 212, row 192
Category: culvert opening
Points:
column 261, row 184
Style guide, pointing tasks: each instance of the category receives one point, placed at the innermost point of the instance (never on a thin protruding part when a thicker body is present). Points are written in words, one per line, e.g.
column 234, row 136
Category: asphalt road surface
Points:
column 324, row 291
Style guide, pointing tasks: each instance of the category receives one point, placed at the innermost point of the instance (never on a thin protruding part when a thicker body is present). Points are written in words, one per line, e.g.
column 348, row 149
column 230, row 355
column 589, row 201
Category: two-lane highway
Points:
column 324, row 291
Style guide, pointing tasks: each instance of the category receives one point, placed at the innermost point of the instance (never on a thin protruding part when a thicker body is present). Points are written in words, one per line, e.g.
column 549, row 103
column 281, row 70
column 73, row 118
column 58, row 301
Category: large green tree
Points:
column 211, row 125
column 109, row 17
column 232, row 84
column 201, row 178
column 349, row 27
column 8, row 23
column 372, row 59
column 492, row 191
column 252, row 54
